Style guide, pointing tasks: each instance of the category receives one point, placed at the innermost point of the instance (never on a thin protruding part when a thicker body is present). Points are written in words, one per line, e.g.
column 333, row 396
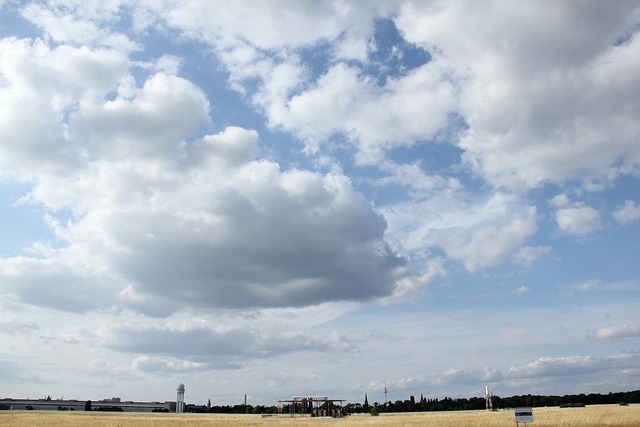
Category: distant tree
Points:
column 87, row 405
column 530, row 401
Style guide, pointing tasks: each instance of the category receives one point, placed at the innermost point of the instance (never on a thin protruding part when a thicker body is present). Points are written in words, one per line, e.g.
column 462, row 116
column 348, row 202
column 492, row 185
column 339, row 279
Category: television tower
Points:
column 488, row 399
column 385, row 391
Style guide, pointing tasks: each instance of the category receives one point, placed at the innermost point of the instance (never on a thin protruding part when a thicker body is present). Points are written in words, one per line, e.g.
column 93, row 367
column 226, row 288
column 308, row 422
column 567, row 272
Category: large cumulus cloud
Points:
column 148, row 212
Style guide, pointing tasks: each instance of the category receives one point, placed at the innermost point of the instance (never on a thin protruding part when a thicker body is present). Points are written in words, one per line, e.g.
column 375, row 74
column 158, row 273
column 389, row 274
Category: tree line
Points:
column 475, row 403
column 445, row 404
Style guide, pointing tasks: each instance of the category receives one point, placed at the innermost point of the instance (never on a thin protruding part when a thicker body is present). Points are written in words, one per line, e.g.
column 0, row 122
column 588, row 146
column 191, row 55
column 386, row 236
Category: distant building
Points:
column 108, row 404
column 79, row 405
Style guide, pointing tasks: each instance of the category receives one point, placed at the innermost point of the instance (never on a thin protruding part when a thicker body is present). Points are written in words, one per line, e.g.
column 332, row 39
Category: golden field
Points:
column 590, row 416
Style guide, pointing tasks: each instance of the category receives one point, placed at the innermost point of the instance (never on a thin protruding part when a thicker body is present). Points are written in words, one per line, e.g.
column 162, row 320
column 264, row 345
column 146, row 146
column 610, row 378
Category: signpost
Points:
column 523, row 415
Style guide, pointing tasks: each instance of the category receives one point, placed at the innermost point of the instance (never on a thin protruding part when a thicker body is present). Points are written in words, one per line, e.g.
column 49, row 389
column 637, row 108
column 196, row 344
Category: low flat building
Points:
column 79, row 405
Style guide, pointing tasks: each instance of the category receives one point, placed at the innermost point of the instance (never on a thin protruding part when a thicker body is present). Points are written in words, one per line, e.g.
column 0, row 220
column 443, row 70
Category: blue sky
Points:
column 283, row 198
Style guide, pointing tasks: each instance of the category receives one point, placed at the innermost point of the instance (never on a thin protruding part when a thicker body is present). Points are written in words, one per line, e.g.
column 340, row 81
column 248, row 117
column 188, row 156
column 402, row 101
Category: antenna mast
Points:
column 385, row 391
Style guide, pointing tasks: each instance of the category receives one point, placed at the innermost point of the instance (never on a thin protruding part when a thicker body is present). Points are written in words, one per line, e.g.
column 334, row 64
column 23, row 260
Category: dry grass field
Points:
column 590, row 416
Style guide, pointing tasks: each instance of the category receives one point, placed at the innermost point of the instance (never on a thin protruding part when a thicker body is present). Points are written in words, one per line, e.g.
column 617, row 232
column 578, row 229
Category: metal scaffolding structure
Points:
column 316, row 406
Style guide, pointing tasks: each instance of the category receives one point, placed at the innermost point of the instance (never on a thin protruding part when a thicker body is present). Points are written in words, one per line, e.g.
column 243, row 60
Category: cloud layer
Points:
column 154, row 209
column 294, row 195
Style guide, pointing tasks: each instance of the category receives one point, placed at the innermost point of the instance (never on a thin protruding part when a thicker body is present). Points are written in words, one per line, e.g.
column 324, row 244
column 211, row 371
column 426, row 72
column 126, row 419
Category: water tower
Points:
column 180, row 399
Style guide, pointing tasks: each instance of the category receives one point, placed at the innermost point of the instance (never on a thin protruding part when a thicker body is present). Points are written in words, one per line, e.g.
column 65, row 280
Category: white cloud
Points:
column 480, row 234
column 419, row 184
column 16, row 326
column 488, row 245
column 553, row 366
column 613, row 332
column 409, row 108
column 60, row 280
column 544, row 108
column 588, row 285
column 628, row 213
column 148, row 123
column 578, row 372
column 258, row 41
column 259, row 237
column 63, row 76
column 165, row 365
column 218, row 347
column 453, row 378
column 266, row 26
column 84, row 26
column 411, row 285
column 522, row 290
column 198, row 222
column 528, row 255
column 578, row 219
column 560, row 200
column 342, row 100
column 575, row 217
column 64, row 28
column 570, row 114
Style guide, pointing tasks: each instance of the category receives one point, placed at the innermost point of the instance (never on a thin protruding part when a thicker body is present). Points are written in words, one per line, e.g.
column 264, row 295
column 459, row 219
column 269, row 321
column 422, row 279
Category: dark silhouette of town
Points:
column 408, row 405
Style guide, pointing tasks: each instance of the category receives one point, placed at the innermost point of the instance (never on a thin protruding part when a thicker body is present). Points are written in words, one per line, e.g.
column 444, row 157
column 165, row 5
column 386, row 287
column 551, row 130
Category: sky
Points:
column 278, row 198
